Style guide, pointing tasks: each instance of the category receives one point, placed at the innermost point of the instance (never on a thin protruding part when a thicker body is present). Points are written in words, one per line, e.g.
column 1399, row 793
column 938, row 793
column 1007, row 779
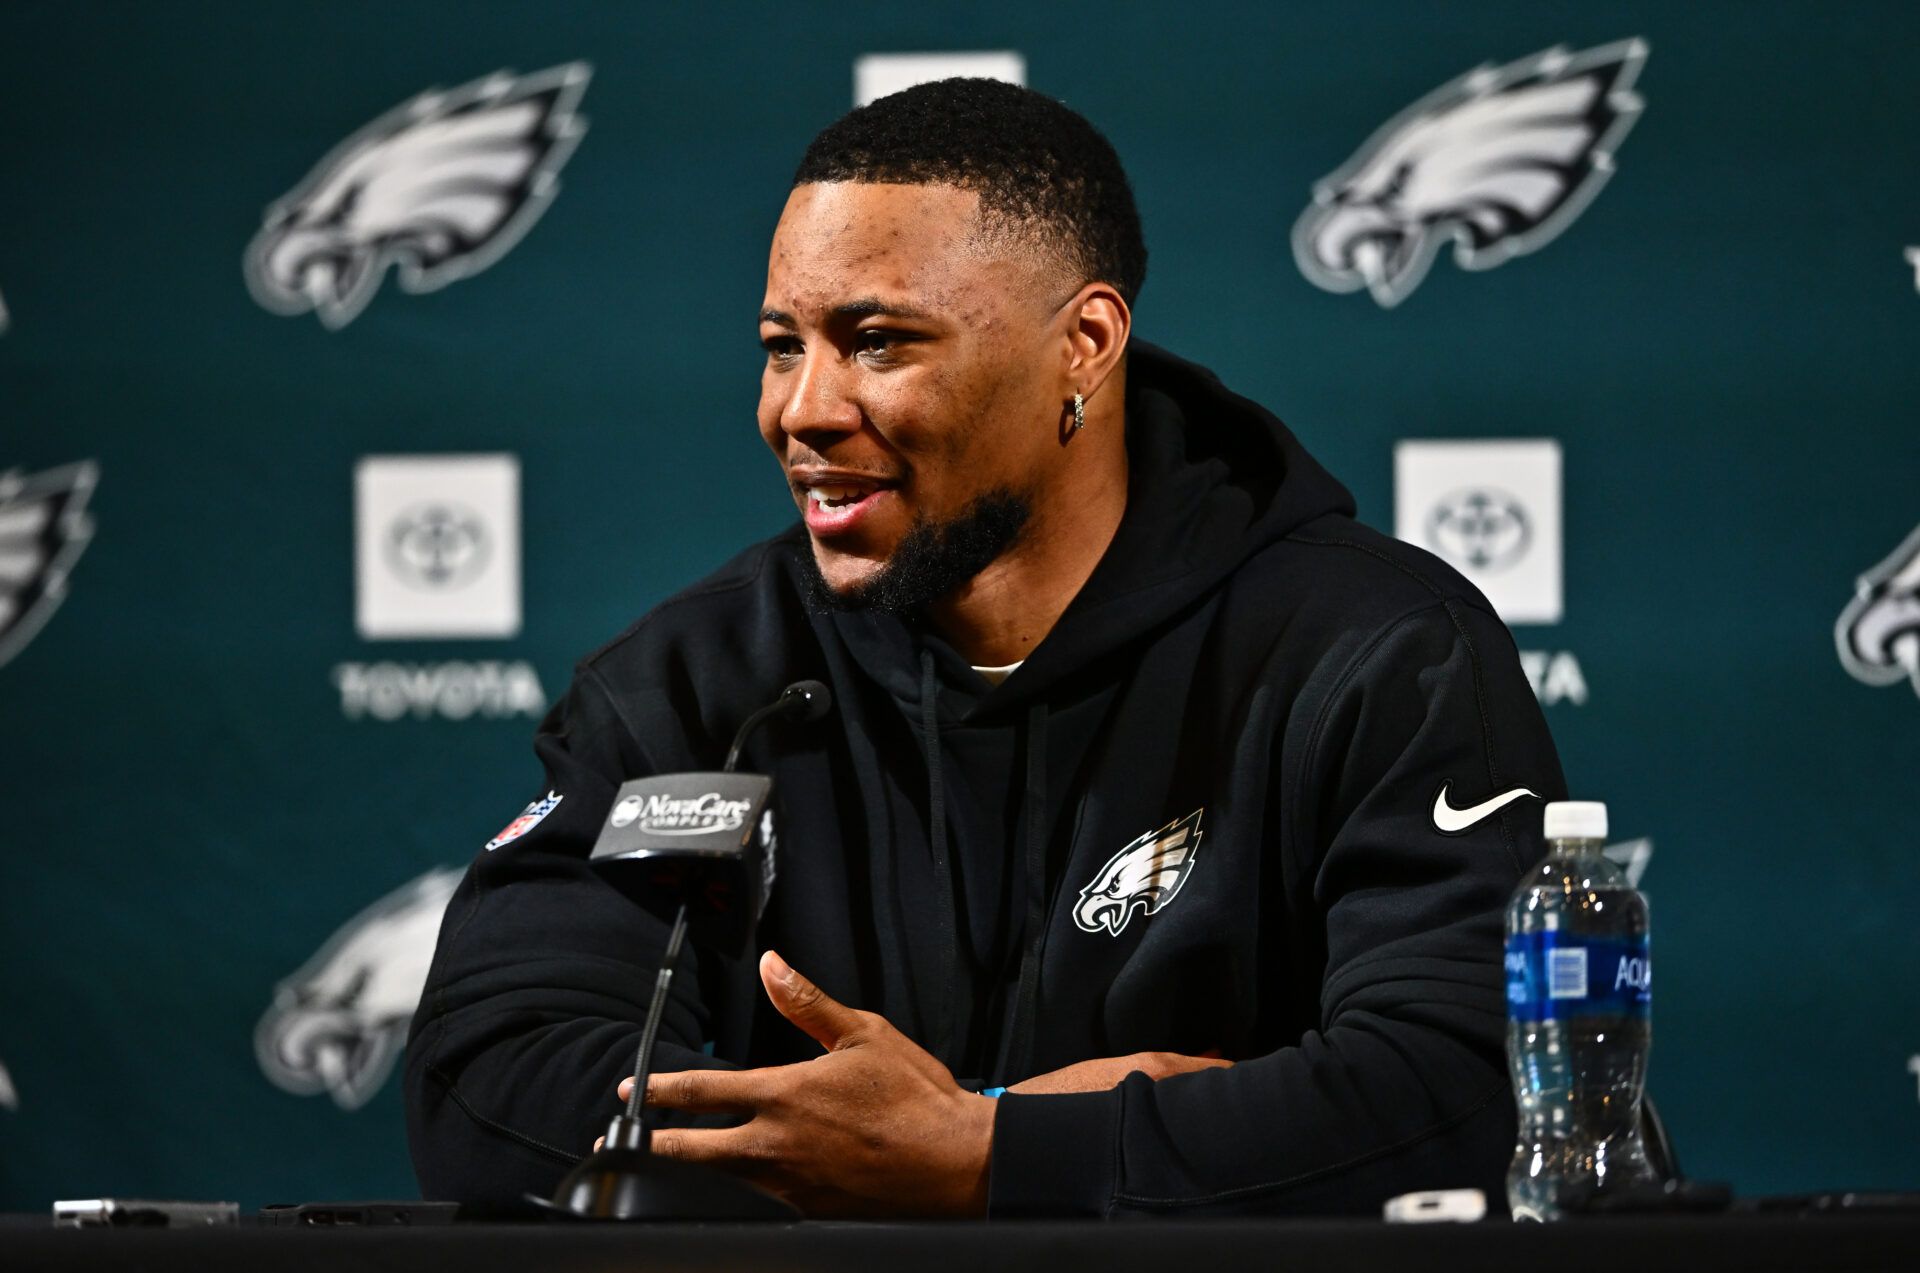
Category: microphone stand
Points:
column 643, row 1058
column 624, row 1179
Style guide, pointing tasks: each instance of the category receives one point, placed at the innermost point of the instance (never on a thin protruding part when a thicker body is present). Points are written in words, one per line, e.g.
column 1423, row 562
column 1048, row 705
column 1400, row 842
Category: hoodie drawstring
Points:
column 880, row 858
column 1019, row 1053
column 942, row 869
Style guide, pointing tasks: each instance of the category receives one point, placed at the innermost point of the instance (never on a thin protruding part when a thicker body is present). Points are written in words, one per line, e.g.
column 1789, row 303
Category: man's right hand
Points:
column 1102, row 1073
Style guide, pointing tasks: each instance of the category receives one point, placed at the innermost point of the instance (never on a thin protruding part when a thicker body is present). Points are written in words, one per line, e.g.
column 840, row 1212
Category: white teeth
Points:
column 822, row 496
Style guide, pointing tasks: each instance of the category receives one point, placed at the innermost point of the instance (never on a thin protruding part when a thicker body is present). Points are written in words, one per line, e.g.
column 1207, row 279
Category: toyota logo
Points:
column 1482, row 529
column 438, row 546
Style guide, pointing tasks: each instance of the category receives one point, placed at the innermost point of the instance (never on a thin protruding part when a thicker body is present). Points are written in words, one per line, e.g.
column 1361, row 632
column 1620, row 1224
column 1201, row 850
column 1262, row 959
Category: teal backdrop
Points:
column 198, row 797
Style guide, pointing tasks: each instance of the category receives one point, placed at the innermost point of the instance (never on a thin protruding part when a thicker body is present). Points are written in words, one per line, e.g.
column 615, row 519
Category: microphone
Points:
column 706, row 839
column 800, row 701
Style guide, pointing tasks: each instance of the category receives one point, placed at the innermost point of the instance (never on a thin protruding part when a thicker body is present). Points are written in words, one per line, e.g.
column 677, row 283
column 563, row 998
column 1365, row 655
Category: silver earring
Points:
column 1079, row 413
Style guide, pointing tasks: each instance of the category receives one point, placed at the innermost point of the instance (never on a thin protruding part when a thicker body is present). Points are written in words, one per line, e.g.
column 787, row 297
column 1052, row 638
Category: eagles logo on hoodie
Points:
column 1144, row 876
column 441, row 186
column 1499, row 161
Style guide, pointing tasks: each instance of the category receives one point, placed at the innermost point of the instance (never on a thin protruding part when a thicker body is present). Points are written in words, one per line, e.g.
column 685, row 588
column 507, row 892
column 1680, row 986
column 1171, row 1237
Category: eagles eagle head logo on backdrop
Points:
column 441, row 186
column 1498, row 162
column 1878, row 634
column 44, row 527
column 338, row 1024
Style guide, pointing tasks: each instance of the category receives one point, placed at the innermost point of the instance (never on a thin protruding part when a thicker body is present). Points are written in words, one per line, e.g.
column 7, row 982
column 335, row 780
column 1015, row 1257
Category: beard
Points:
column 931, row 560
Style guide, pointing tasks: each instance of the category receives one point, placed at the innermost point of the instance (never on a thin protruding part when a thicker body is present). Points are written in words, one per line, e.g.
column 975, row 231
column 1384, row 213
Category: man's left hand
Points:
column 877, row 1126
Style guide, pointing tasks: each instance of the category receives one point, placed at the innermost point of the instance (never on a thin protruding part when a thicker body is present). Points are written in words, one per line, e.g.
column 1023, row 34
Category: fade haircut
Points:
column 1041, row 170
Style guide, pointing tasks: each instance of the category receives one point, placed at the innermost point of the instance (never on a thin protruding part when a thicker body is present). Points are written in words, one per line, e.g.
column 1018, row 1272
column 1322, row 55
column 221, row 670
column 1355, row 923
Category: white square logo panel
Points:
column 1491, row 509
column 875, row 75
column 437, row 546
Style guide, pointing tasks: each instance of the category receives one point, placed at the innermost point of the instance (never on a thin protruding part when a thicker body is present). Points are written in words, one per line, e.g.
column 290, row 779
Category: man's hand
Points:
column 877, row 1126
column 1103, row 1073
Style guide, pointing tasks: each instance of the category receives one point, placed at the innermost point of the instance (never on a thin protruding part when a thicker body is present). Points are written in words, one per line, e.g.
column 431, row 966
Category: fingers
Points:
column 1103, row 1073
column 1165, row 1065
column 704, row 1091
column 739, row 1148
column 1097, row 1075
column 825, row 1020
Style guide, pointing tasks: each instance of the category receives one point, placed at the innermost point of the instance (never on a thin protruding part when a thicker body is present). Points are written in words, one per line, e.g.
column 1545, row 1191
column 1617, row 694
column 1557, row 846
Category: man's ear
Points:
column 1099, row 323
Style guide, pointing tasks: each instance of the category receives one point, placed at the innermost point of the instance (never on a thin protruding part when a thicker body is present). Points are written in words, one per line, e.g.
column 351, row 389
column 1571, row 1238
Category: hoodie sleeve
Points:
column 541, row 978
column 1403, row 1084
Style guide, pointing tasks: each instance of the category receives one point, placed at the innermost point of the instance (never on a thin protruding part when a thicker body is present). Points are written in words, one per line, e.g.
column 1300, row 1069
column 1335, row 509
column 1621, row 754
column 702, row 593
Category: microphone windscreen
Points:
column 811, row 699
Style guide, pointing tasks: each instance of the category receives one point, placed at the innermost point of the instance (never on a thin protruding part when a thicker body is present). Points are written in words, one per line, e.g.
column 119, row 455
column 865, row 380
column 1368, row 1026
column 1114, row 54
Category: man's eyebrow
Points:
column 865, row 307
column 869, row 307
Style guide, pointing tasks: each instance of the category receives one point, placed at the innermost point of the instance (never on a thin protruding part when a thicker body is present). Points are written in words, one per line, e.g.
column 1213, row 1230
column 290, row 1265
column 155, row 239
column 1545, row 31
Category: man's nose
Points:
column 820, row 401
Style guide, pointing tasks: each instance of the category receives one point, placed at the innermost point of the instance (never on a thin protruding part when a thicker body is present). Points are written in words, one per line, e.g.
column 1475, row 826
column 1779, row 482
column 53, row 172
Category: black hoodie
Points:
column 1203, row 816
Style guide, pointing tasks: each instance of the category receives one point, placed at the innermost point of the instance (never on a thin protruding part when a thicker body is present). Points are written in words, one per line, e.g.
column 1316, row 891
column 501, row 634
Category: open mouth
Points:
column 835, row 497
column 833, row 506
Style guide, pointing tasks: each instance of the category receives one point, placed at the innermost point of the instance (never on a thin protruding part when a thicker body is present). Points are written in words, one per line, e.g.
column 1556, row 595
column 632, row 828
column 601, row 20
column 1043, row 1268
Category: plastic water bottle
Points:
column 1579, row 1000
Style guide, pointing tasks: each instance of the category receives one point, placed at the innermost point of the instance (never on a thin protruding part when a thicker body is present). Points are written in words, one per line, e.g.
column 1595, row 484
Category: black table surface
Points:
column 1889, row 1241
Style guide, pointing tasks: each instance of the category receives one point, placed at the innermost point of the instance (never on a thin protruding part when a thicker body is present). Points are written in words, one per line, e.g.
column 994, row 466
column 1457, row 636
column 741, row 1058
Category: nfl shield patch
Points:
column 530, row 817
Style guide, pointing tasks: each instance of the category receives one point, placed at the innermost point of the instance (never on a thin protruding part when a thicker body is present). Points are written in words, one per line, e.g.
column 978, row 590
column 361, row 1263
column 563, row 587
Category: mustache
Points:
column 801, row 462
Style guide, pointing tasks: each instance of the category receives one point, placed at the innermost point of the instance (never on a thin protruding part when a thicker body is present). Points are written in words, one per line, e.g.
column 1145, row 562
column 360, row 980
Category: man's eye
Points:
column 780, row 347
column 878, row 340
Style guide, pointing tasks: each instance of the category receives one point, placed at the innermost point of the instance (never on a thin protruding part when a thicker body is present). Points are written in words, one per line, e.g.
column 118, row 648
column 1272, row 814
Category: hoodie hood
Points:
column 1212, row 478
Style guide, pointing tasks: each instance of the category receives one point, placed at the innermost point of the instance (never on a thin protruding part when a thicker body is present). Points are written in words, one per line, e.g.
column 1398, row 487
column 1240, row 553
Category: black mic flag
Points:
column 708, row 837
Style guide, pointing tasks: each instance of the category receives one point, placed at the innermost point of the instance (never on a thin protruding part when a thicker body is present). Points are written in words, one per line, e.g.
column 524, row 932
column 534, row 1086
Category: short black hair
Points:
column 1033, row 162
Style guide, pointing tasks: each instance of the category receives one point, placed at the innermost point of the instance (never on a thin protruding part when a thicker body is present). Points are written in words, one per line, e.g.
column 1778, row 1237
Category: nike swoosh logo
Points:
column 1448, row 820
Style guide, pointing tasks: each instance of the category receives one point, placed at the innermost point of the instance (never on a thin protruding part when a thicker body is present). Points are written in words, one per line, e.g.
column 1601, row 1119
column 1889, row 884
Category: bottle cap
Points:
column 1576, row 820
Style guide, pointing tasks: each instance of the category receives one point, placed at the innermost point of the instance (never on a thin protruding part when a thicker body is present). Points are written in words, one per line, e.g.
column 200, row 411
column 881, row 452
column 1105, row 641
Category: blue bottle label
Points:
column 1556, row 976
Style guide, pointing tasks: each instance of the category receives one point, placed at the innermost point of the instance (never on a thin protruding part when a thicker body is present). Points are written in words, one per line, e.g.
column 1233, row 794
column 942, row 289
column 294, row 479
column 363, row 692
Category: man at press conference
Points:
column 1152, row 857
